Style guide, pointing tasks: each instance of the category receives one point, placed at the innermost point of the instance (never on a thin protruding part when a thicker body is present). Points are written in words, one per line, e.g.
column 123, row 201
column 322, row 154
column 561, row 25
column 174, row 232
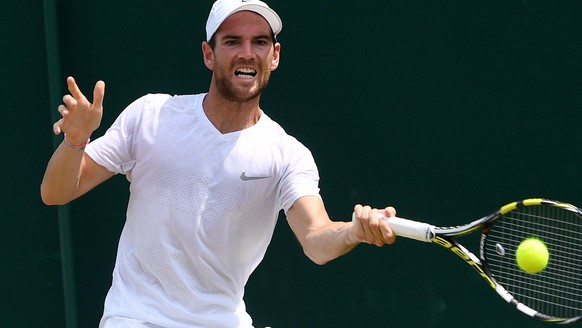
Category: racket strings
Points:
column 557, row 290
column 561, row 259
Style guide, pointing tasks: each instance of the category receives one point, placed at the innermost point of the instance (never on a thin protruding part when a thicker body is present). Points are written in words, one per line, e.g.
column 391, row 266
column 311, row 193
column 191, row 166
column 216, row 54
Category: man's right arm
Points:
column 70, row 172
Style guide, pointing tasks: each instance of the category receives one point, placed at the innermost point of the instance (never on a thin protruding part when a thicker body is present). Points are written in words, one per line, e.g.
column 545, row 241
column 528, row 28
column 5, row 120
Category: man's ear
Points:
column 276, row 56
column 208, row 55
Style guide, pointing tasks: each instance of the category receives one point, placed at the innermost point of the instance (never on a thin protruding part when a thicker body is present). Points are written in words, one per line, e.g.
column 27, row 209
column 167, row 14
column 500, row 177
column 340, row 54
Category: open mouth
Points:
column 246, row 73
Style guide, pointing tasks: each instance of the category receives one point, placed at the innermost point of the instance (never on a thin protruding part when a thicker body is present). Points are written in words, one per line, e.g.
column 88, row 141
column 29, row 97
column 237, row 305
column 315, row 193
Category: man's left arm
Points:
column 324, row 240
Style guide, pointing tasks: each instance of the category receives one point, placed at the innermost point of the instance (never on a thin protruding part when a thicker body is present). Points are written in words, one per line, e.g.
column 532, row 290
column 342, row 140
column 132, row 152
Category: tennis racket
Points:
column 552, row 295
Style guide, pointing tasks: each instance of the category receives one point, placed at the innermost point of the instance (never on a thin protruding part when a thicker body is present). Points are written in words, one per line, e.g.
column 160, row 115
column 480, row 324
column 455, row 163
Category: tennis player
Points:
column 208, row 174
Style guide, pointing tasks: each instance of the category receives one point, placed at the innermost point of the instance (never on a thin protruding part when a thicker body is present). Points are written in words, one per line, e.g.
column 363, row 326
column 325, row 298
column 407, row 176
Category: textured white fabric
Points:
column 120, row 322
column 202, row 209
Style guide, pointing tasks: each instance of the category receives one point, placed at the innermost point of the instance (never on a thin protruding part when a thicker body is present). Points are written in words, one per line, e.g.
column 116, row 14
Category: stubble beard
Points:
column 231, row 93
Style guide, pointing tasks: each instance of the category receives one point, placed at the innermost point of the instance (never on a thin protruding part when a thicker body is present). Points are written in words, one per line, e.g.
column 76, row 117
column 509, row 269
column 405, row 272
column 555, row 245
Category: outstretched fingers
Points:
column 99, row 94
column 74, row 88
column 77, row 97
column 80, row 117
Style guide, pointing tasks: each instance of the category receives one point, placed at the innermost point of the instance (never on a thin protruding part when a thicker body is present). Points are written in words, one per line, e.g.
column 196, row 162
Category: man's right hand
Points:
column 79, row 116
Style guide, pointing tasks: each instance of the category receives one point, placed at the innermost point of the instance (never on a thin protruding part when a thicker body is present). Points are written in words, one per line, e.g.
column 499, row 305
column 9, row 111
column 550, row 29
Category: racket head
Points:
column 555, row 293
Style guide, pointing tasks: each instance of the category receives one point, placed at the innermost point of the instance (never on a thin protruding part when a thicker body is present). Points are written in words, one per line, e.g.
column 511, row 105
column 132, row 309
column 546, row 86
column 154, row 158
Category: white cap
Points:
column 222, row 9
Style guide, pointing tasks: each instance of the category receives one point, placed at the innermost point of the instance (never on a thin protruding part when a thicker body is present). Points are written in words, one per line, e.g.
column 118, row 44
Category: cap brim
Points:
column 267, row 13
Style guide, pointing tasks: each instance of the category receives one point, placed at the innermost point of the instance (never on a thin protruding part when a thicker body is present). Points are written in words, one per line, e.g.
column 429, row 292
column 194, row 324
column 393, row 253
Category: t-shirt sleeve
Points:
column 115, row 149
column 301, row 177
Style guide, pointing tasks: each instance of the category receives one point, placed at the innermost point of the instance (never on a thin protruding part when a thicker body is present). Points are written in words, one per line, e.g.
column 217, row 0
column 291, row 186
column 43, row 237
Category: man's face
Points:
column 243, row 56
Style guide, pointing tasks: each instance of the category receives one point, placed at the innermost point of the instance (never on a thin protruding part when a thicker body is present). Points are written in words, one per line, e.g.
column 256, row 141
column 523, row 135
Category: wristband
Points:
column 76, row 147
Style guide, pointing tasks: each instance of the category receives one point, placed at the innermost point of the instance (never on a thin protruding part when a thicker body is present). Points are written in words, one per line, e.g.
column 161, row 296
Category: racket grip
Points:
column 408, row 228
column 411, row 229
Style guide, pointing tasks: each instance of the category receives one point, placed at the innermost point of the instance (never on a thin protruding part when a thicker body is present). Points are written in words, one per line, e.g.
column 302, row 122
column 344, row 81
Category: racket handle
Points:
column 411, row 229
column 408, row 228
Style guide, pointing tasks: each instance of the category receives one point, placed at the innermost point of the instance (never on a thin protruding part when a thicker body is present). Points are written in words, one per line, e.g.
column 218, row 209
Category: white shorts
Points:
column 121, row 322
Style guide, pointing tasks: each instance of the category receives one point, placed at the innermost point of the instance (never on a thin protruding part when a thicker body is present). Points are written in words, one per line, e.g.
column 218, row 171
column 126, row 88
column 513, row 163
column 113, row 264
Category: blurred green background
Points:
column 444, row 109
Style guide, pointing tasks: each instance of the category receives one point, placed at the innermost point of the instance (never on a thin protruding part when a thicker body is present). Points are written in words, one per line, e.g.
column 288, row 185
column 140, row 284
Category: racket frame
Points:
column 443, row 236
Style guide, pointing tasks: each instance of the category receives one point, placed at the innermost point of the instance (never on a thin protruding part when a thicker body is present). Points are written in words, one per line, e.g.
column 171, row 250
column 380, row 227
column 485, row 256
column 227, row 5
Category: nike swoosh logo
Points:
column 244, row 177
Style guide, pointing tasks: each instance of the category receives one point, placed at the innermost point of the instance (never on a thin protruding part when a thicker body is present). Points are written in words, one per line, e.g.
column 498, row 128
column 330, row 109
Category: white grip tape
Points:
column 411, row 229
column 408, row 228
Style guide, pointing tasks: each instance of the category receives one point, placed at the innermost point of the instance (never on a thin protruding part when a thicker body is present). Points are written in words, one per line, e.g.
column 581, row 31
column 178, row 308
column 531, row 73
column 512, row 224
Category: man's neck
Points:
column 227, row 116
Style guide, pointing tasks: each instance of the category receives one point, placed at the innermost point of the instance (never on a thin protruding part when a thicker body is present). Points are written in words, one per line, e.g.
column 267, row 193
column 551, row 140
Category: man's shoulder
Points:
column 163, row 98
column 163, row 101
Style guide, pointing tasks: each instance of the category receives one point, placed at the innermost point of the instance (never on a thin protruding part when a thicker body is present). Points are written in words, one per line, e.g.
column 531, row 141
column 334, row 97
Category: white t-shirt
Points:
column 202, row 209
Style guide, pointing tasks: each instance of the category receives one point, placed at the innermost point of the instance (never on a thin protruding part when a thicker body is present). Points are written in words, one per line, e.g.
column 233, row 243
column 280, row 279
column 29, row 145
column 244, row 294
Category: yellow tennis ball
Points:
column 532, row 255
